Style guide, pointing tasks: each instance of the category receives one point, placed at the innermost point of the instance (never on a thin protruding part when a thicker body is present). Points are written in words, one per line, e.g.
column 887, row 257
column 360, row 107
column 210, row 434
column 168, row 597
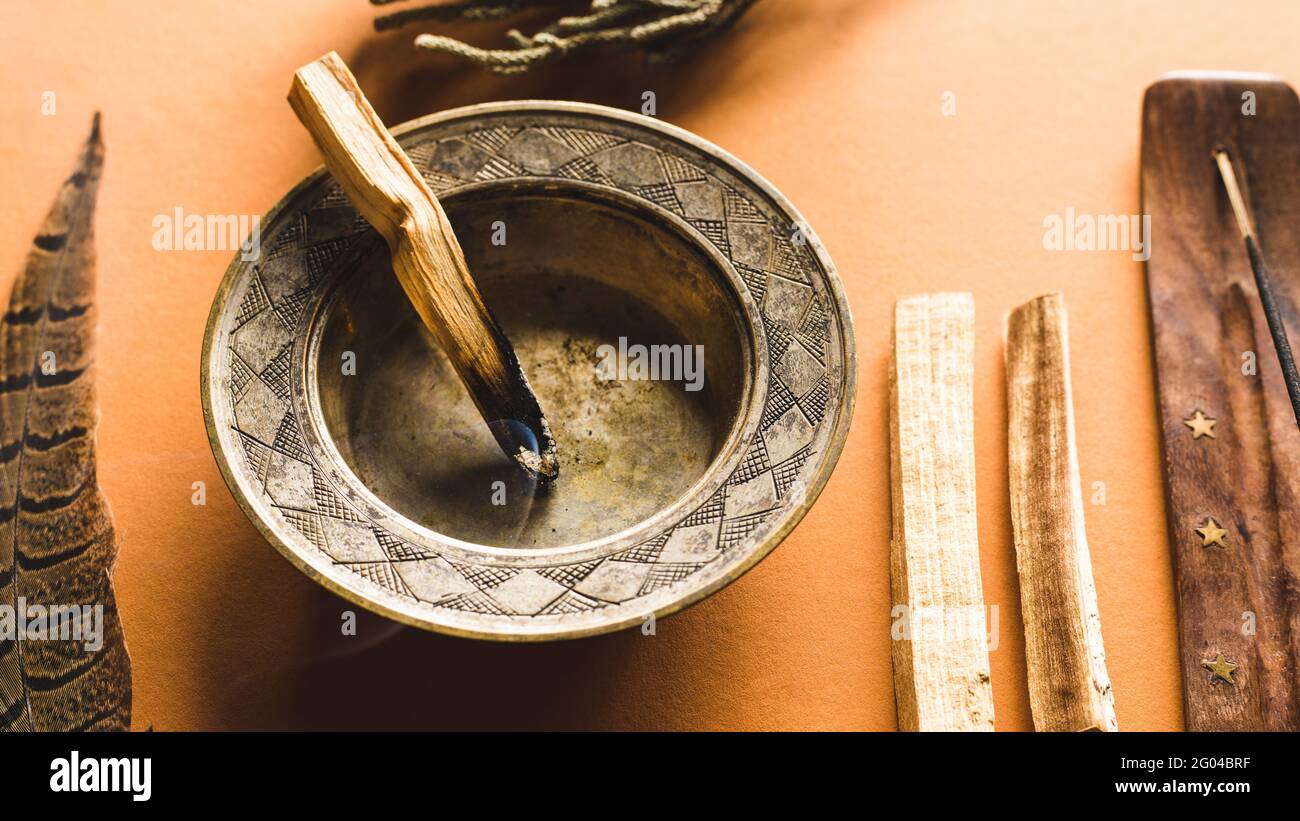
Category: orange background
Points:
column 838, row 103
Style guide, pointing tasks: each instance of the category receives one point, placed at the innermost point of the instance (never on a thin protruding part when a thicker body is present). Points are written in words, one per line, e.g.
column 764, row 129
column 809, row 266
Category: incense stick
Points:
column 1263, row 283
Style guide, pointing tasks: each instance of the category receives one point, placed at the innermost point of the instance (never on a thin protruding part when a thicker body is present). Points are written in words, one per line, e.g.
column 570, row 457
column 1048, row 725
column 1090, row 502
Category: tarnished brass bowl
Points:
column 598, row 238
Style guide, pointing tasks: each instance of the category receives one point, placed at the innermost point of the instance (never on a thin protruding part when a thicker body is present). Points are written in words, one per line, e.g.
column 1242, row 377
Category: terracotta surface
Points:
column 838, row 103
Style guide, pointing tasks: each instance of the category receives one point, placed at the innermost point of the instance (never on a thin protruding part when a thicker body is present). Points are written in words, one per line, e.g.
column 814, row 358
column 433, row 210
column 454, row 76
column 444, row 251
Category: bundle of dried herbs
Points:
column 662, row 29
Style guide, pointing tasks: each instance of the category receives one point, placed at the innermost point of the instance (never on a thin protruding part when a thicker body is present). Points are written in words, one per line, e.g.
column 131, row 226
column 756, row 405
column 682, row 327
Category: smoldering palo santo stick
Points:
column 385, row 188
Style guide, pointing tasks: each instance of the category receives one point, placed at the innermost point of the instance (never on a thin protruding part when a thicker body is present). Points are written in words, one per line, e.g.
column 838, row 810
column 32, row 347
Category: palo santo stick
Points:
column 386, row 189
column 1068, row 685
column 941, row 662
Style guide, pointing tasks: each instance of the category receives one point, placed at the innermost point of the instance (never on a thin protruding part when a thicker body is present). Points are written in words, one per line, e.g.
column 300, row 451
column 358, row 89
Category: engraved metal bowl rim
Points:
column 790, row 517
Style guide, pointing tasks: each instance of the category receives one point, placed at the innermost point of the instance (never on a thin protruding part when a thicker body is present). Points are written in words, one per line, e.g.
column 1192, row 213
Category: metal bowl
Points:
column 346, row 438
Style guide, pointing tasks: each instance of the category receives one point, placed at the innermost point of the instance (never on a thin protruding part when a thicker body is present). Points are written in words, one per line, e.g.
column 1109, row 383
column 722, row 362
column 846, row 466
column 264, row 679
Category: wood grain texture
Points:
column 1241, row 597
column 1069, row 688
column 940, row 647
column 57, row 543
column 385, row 188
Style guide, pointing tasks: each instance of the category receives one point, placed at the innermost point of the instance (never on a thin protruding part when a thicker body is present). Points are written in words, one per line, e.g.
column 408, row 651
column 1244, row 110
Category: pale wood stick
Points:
column 386, row 189
column 1069, row 688
column 940, row 647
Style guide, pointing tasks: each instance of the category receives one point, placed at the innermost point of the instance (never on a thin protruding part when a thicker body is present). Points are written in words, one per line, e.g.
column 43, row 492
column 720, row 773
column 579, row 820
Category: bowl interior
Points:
column 565, row 269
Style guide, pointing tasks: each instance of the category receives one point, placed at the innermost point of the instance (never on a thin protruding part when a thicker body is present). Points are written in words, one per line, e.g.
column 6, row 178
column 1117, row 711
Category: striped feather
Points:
column 57, row 545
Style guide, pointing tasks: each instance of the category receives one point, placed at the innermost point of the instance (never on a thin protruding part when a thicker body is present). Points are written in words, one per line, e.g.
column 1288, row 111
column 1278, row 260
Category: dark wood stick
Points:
column 1263, row 283
column 385, row 188
column 1069, row 688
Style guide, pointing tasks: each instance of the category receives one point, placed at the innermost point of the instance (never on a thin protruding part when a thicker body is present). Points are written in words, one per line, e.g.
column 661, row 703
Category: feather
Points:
column 57, row 545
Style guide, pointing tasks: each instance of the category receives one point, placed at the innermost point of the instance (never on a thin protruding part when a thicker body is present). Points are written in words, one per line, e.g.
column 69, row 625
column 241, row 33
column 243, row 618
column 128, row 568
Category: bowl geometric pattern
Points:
column 298, row 493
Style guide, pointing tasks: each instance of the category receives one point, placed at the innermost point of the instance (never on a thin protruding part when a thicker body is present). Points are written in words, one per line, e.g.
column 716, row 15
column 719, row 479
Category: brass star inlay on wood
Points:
column 1220, row 669
column 1201, row 425
column 1211, row 534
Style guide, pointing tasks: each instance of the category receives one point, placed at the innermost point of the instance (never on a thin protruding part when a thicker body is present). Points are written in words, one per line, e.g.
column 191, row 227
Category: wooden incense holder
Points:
column 1069, row 688
column 386, row 189
column 940, row 640
column 1231, row 449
